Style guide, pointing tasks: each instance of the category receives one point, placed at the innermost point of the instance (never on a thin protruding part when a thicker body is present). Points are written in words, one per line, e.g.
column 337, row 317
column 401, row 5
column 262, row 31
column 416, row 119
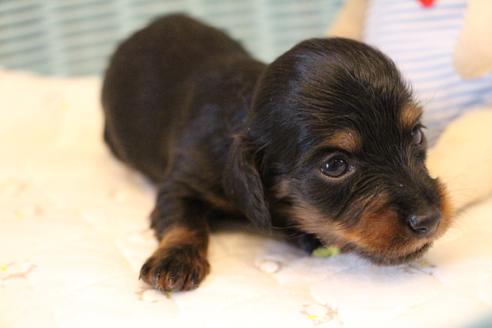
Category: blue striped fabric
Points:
column 421, row 41
column 75, row 37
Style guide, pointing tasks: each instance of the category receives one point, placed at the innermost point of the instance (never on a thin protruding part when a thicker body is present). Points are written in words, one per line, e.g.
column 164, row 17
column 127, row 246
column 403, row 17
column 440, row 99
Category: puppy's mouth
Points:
column 389, row 259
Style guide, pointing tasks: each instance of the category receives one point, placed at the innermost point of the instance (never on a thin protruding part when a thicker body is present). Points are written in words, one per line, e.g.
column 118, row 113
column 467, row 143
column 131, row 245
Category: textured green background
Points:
column 75, row 37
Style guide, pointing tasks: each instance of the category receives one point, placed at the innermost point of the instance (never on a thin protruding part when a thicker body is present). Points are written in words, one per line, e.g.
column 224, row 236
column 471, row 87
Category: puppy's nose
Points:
column 424, row 224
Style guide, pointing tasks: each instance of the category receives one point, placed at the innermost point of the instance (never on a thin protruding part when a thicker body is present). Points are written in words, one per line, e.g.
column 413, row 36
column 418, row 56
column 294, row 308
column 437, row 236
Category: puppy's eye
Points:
column 335, row 166
column 418, row 135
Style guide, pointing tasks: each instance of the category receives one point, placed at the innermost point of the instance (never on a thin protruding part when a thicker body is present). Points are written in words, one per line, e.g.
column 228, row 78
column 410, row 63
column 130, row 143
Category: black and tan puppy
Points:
column 325, row 142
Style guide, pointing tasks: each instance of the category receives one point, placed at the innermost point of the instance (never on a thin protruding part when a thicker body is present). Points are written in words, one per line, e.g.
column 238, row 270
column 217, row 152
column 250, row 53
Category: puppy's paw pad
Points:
column 176, row 269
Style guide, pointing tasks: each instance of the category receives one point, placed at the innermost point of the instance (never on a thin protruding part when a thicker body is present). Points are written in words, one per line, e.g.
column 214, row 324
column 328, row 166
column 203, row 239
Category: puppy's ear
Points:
column 243, row 184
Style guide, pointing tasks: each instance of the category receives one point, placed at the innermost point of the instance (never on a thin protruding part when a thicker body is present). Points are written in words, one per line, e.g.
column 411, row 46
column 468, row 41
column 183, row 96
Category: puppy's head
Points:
column 334, row 142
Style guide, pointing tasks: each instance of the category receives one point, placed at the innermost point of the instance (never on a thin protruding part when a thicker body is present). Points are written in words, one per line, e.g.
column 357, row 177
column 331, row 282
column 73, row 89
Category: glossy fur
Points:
column 221, row 132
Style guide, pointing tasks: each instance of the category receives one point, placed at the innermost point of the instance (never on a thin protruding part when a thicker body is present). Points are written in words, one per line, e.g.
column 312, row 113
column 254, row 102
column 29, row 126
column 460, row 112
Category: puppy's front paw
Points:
column 176, row 269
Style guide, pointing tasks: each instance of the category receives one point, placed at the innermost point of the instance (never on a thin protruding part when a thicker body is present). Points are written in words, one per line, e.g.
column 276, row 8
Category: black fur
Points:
column 220, row 131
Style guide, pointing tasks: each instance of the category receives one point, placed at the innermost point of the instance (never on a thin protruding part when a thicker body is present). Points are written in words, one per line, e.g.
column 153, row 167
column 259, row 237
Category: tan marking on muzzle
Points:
column 379, row 230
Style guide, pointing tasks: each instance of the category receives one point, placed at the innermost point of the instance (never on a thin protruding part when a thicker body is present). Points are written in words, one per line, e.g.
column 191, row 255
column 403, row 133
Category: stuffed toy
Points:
column 443, row 48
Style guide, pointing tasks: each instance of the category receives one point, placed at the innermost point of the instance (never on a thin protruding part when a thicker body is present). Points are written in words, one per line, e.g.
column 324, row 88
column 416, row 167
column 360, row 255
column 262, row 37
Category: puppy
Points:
column 325, row 143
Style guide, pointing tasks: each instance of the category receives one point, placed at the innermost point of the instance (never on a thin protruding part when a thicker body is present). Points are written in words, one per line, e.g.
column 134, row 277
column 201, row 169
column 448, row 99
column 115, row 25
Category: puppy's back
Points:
column 147, row 82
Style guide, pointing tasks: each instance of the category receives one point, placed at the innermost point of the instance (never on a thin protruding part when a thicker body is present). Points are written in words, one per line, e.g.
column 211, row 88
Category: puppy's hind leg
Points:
column 180, row 221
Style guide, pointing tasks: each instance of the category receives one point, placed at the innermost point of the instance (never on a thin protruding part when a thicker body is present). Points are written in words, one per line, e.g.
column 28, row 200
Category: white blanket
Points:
column 74, row 233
